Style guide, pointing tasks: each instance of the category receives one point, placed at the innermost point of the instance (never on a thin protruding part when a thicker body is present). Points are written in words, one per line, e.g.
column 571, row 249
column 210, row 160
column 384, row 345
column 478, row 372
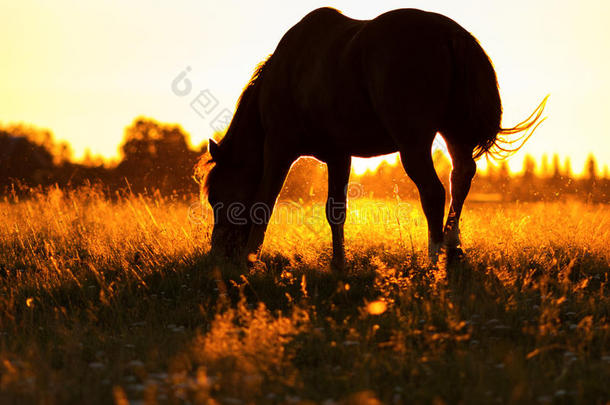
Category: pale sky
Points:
column 85, row 70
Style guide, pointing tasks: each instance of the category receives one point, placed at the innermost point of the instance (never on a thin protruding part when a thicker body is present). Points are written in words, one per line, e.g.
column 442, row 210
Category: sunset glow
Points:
column 85, row 70
column 157, row 246
column 361, row 165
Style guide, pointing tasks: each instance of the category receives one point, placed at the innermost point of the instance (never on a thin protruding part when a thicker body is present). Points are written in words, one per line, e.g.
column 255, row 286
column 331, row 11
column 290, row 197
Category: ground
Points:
column 104, row 301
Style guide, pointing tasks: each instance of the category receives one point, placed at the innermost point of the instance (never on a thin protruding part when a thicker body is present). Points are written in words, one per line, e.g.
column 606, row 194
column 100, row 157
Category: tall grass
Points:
column 104, row 301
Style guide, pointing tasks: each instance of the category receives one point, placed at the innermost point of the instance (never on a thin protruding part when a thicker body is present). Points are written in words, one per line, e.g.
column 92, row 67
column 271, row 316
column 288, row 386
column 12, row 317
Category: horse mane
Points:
column 202, row 170
column 256, row 75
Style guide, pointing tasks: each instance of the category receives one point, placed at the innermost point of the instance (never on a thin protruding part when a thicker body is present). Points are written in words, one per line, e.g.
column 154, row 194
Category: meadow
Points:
column 116, row 301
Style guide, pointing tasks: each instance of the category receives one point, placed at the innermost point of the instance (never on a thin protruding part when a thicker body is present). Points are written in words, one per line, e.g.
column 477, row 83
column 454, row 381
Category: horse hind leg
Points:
column 417, row 162
column 464, row 169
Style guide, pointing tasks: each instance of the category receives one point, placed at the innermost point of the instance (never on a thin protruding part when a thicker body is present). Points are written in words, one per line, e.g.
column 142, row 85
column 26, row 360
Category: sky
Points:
column 85, row 70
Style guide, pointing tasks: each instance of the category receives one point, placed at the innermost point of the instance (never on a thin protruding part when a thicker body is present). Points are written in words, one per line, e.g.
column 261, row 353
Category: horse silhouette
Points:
column 337, row 87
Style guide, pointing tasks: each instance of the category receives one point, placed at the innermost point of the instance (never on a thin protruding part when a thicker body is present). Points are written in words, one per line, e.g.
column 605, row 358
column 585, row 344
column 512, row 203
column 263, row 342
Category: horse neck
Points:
column 245, row 135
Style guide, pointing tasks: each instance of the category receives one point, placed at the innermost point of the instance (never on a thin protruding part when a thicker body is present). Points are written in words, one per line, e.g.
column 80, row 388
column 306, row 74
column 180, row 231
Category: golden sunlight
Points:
column 160, row 244
column 44, row 83
column 362, row 165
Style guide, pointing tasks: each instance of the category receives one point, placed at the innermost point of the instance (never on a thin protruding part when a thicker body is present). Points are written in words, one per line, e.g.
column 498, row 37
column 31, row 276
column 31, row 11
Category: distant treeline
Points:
column 307, row 180
column 158, row 158
column 155, row 157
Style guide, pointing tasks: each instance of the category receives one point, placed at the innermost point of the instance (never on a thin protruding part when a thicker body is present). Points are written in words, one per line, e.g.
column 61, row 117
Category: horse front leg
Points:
column 275, row 170
column 336, row 205
column 464, row 169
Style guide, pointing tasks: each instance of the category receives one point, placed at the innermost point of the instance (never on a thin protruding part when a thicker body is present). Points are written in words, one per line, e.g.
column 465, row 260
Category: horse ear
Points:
column 213, row 149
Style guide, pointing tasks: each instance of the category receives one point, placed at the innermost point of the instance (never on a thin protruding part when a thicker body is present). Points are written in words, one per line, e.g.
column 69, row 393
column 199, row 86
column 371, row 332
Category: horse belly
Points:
column 358, row 134
column 363, row 137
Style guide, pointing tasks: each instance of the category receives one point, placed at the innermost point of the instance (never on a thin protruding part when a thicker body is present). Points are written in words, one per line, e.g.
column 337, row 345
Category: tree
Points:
column 26, row 155
column 556, row 167
column 529, row 167
column 591, row 168
column 504, row 179
column 157, row 155
column 568, row 185
column 544, row 166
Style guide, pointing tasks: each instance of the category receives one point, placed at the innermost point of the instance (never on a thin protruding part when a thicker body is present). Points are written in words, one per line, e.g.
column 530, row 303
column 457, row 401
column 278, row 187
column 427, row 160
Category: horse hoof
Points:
column 454, row 254
column 434, row 249
column 257, row 266
column 337, row 266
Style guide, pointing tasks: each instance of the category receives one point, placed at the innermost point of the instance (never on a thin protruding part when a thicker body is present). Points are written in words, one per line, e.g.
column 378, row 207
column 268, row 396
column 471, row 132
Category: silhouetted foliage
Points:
column 157, row 156
column 26, row 156
column 552, row 184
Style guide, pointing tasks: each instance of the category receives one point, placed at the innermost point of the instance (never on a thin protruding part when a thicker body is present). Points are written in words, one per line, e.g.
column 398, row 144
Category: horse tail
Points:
column 504, row 145
column 477, row 106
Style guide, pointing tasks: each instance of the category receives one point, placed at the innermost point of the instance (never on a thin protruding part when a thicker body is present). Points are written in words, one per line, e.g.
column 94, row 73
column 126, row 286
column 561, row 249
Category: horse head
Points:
column 230, row 188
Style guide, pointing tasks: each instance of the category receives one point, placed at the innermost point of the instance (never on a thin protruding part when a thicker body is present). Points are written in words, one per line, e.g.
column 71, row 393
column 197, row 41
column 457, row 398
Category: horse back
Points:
column 336, row 81
column 312, row 82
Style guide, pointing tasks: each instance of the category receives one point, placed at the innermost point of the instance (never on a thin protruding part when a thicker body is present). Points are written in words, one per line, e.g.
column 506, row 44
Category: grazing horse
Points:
column 336, row 87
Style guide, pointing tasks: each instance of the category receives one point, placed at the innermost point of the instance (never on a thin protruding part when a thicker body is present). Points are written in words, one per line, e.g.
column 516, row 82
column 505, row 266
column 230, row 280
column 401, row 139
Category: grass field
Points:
column 116, row 301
